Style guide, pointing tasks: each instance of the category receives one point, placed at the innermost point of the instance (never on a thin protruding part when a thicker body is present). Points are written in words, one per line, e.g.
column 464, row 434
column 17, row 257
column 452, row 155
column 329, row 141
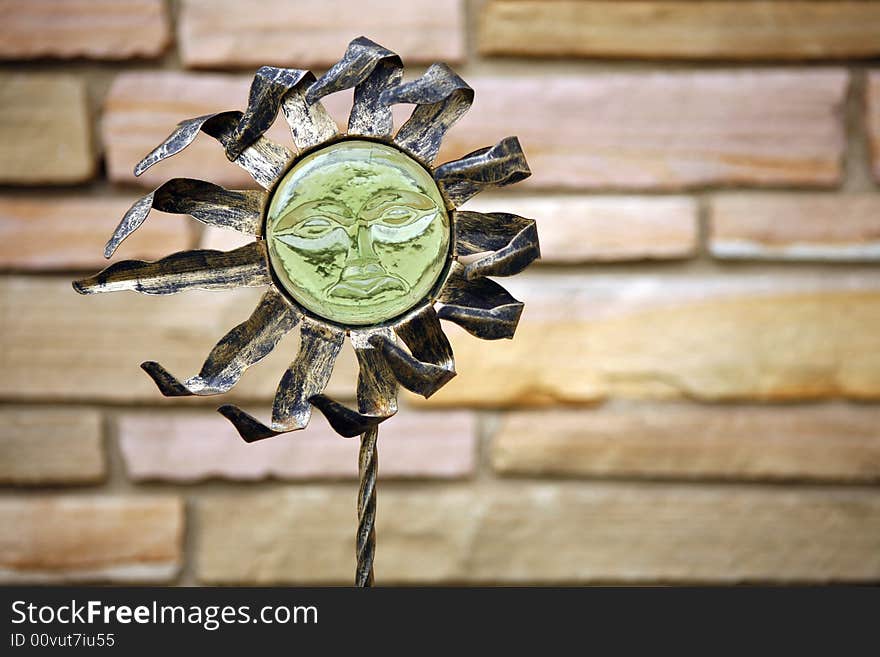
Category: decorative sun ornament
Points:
column 356, row 235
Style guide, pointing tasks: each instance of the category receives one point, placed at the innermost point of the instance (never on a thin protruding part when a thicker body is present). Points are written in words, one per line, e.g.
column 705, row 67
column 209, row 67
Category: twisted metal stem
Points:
column 368, row 468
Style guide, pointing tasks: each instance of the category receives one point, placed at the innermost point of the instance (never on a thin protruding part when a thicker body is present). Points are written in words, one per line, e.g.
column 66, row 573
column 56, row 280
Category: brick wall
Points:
column 693, row 392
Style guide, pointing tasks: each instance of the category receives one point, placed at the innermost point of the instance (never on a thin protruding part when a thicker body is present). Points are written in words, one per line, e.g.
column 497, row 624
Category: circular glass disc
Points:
column 357, row 232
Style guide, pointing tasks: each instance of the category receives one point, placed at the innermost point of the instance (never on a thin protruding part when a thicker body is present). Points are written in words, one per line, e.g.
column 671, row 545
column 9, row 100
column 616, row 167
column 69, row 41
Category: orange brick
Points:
column 780, row 29
column 69, row 232
column 96, row 29
column 620, row 130
column 227, row 33
column 796, row 226
column 90, row 539
column 141, row 110
column 664, row 130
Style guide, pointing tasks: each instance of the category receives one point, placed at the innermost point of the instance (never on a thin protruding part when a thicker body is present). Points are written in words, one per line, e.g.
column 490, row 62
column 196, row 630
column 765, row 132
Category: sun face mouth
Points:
column 365, row 281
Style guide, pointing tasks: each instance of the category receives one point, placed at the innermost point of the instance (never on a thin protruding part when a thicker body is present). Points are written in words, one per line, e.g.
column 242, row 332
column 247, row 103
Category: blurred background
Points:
column 691, row 394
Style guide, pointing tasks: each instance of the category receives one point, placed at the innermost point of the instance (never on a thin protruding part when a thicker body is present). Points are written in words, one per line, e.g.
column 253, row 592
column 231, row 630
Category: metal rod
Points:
column 368, row 468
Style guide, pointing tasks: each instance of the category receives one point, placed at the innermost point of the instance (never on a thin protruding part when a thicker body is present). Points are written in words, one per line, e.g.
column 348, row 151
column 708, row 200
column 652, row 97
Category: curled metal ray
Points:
column 243, row 346
column 187, row 270
column 263, row 159
column 428, row 365
column 276, row 88
column 207, row 202
column 307, row 376
column 376, row 389
column 480, row 306
column 511, row 240
column 495, row 166
column 370, row 69
column 441, row 99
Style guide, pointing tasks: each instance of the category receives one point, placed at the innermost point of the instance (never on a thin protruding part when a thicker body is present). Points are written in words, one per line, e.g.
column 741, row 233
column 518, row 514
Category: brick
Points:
column 580, row 228
column 69, row 232
column 142, row 108
column 60, row 345
column 45, row 132
column 664, row 131
column 620, row 130
column 786, row 336
column 872, row 119
column 550, row 533
column 55, row 539
column 796, row 227
column 316, row 32
column 197, row 446
column 681, row 30
column 95, row 29
column 674, row 441
column 49, row 445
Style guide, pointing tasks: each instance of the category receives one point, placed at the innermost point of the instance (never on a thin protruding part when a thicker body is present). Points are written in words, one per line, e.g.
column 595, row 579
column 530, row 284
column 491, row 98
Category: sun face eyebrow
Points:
column 377, row 204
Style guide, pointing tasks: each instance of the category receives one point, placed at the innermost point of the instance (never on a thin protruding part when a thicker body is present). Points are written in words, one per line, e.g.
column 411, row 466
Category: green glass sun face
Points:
column 357, row 232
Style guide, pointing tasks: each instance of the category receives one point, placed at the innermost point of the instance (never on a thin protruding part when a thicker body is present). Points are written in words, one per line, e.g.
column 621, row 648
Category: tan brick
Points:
column 674, row 441
column 580, row 228
column 60, row 345
column 47, row 445
column 75, row 539
column 553, row 533
column 755, row 335
column 672, row 130
column 681, row 30
column 96, row 29
column 44, row 135
column 873, row 119
column 69, row 232
column 227, row 33
column 796, row 226
column 196, row 446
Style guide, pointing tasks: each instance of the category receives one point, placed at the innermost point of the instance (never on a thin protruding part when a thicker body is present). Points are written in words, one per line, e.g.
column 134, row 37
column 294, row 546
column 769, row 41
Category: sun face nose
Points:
column 362, row 261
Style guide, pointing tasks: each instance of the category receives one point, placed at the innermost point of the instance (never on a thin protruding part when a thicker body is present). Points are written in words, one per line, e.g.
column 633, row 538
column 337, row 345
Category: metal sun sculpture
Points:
column 357, row 235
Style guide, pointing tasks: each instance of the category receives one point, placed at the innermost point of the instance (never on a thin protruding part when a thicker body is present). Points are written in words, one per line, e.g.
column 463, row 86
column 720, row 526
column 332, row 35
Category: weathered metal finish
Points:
column 429, row 364
column 264, row 160
column 207, row 202
column 188, row 270
column 512, row 242
column 368, row 471
column 412, row 350
column 245, row 345
column 496, row 166
column 441, row 99
column 370, row 69
column 276, row 88
column 481, row 306
column 306, row 377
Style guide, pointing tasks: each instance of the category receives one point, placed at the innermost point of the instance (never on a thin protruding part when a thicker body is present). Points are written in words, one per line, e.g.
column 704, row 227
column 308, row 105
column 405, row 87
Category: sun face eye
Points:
column 398, row 215
column 314, row 227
